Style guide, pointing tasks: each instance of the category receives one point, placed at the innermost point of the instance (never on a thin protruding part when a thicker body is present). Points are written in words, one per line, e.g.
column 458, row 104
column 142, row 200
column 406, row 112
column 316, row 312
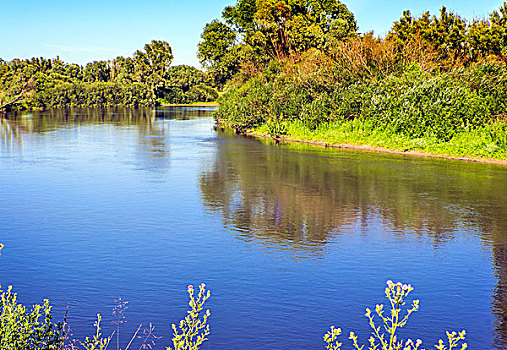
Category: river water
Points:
column 290, row 239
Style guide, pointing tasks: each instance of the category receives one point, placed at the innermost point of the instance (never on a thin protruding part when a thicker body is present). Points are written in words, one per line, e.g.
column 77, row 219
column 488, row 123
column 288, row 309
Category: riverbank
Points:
column 475, row 146
column 195, row 104
column 375, row 148
column 458, row 114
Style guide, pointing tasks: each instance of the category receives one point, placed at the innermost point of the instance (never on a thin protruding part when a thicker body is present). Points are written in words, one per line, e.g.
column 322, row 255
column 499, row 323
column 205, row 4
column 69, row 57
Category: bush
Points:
column 412, row 103
column 97, row 94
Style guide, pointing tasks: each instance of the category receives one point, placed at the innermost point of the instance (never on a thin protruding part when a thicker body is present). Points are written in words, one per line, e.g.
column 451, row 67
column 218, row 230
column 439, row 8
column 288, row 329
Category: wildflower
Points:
column 389, row 283
column 190, row 288
column 203, row 285
column 405, row 287
column 418, row 342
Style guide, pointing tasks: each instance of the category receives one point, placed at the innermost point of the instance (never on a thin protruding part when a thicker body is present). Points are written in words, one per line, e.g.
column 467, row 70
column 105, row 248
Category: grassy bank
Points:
column 477, row 145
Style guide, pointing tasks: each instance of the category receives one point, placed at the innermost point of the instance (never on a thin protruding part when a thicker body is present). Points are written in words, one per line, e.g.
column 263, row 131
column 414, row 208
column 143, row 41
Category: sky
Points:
column 81, row 31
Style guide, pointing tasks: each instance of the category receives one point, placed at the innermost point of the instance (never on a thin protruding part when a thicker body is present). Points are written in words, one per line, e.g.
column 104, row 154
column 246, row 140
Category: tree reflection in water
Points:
column 302, row 198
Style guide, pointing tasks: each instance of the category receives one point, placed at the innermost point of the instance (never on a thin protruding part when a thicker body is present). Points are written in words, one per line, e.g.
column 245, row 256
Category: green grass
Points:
column 488, row 142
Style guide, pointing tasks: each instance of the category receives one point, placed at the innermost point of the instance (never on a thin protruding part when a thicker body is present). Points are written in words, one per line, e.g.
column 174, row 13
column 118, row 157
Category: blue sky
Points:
column 80, row 31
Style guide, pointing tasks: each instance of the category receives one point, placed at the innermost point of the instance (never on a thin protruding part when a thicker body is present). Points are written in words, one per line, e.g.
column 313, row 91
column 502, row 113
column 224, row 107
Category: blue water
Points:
column 97, row 204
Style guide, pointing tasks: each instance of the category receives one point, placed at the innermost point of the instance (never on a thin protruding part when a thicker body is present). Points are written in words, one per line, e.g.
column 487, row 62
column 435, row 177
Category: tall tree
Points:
column 218, row 52
column 154, row 62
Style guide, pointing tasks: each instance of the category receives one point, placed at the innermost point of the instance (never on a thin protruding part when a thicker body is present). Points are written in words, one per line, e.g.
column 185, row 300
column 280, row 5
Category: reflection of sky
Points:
column 89, row 214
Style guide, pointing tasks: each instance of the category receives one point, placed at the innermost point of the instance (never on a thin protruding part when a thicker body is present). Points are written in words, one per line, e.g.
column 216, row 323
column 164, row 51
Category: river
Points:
column 290, row 239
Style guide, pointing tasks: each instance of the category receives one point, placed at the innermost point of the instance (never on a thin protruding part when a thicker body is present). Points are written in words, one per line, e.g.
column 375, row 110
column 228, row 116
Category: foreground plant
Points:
column 21, row 328
column 396, row 293
column 192, row 330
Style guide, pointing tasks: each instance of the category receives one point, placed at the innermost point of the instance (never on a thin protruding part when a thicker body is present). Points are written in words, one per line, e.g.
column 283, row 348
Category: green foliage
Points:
column 397, row 295
column 186, row 84
column 411, row 105
column 453, row 38
column 97, row 94
column 193, row 330
column 184, row 77
column 417, row 106
column 129, row 82
column 446, row 34
column 97, row 342
column 245, row 106
column 153, row 64
column 331, row 339
column 257, row 31
column 276, row 127
column 27, row 329
column 218, row 53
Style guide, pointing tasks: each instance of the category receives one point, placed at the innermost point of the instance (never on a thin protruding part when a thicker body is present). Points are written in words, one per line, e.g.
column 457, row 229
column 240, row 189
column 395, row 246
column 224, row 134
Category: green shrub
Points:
column 412, row 104
column 22, row 329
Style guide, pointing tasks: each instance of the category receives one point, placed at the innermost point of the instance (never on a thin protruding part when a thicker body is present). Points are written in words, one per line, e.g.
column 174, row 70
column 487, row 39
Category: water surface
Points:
column 290, row 239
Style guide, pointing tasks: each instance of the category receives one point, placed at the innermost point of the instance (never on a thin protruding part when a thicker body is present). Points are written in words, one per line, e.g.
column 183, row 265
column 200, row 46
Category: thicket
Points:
column 146, row 79
column 413, row 103
column 431, row 77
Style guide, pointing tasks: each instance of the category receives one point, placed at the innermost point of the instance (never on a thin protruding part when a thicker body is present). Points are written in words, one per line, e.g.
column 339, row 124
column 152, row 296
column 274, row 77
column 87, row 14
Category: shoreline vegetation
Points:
column 314, row 141
column 436, row 85
column 193, row 104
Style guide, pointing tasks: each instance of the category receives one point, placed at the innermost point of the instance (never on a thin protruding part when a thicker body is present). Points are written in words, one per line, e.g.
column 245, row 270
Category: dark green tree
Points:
column 153, row 63
column 218, row 51
column 96, row 71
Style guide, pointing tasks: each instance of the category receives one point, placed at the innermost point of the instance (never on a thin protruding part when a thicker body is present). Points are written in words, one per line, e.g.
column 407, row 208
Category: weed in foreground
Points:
column 396, row 293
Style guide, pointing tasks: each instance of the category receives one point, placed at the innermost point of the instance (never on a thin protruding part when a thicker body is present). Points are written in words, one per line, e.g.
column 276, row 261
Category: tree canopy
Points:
column 261, row 30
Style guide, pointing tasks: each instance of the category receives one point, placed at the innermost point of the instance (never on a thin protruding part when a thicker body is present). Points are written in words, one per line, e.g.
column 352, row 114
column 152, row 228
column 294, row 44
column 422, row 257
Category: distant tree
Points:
column 17, row 81
column 184, row 77
column 153, row 63
column 446, row 34
column 96, row 71
column 123, row 69
column 41, row 82
column 499, row 29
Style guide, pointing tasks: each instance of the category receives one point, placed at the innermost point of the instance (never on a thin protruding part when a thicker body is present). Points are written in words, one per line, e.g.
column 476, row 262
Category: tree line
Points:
column 254, row 33
column 145, row 79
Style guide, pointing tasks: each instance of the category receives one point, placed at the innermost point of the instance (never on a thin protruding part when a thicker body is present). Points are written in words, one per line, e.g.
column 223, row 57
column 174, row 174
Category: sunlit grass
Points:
column 488, row 141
